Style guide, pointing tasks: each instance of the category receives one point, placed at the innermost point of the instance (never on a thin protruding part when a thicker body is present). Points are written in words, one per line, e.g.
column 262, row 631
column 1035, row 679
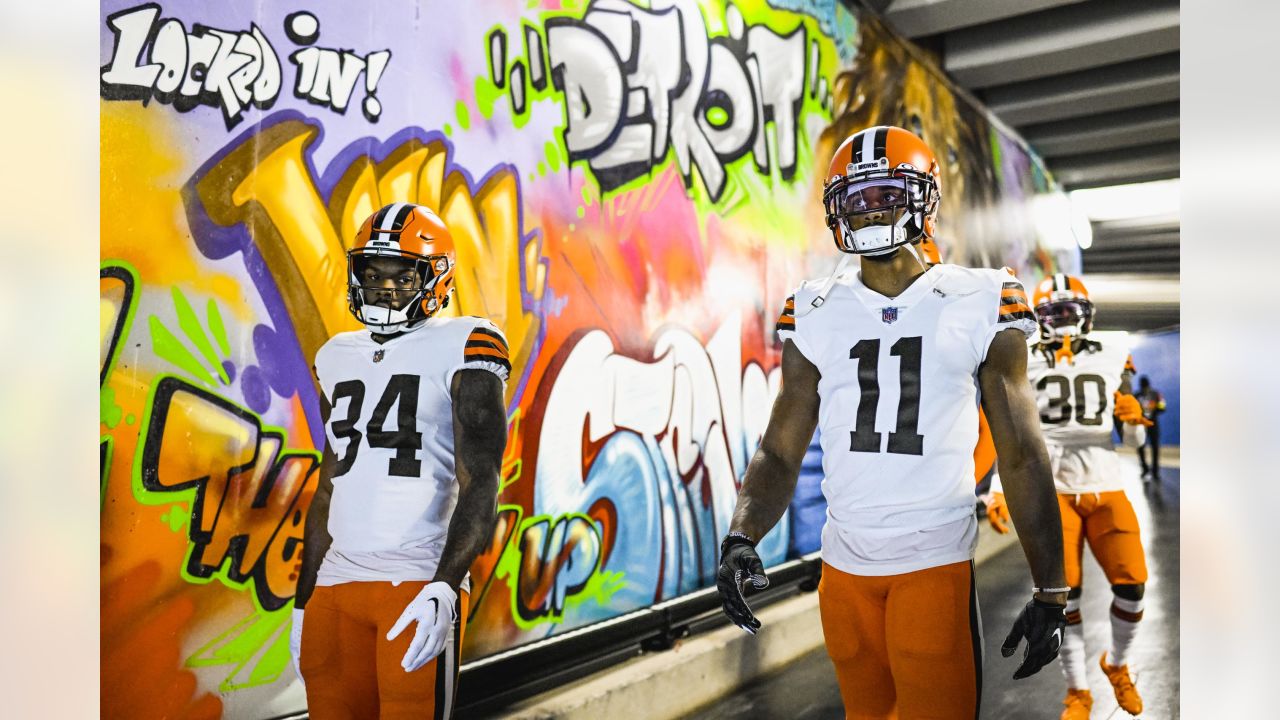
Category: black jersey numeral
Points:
column 1068, row 399
column 401, row 391
column 905, row 438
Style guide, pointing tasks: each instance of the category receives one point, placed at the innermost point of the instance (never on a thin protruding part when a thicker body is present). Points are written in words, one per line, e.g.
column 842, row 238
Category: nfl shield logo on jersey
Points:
column 889, row 315
column 378, row 354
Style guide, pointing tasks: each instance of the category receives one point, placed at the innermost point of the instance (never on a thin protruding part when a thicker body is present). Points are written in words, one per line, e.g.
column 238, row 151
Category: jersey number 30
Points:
column 402, row 391
column 1060, row 399
column 906, row 438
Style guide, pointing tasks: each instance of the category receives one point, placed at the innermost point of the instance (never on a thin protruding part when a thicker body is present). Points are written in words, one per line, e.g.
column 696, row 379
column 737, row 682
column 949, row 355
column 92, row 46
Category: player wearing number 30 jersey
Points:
column 892, row 362
column 415, row 426
column 1081, row 381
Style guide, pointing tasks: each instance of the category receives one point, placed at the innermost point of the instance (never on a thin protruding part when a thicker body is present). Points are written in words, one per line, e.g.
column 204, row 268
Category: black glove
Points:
column 1042, row 624
column 738, row 564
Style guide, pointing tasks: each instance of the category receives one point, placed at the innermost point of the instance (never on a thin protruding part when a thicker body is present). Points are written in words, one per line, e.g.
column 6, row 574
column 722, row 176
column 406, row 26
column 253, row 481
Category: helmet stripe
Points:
column 867, row 152
column 392, row 218
column 881, row 141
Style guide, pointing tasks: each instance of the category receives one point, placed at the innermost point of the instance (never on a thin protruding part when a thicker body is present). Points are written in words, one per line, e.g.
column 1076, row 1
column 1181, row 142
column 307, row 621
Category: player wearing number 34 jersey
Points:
column 892, row 362
column 415, row 426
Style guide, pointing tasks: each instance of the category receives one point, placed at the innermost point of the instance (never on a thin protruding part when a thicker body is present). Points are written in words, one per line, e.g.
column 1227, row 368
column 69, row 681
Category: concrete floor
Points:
column 806, row 689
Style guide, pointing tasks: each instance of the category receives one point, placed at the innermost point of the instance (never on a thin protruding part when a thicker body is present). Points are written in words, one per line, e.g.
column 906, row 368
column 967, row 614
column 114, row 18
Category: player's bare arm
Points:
column 1028, row 484
column 480, row 437
column 315, row 541
column 769, row 484
column 1025, row 471
column 315, row 533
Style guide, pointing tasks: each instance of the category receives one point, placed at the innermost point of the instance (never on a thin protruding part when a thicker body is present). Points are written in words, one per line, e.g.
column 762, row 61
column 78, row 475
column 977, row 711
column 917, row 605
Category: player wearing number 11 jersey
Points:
column 892, row 362
column 416, row 425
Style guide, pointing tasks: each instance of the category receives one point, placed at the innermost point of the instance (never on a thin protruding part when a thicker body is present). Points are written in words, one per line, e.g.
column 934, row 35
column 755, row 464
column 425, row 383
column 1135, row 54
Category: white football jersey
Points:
column 1075, row 398
column 391, row 429
column 899, row 410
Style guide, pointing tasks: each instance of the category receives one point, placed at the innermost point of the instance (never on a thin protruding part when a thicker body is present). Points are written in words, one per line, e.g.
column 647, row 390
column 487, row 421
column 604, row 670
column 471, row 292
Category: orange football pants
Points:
column 1108, row 522
column 353, row 673
column 904, row 646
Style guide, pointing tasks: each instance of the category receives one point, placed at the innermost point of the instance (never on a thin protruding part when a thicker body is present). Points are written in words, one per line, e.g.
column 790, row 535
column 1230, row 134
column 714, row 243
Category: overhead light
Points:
column 1121, row 202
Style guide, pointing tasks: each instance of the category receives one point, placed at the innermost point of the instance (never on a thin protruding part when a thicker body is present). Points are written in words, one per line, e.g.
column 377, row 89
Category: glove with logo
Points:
column 739, row 564
column 295, row 642
column 1129, row 410
column 1042, row 624
column 998, row 513
column 434, row 609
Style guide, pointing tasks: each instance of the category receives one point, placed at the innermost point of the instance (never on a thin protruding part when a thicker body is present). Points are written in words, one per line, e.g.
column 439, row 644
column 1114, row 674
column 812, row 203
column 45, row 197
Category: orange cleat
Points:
column 1126, row 694
column 1079, row 703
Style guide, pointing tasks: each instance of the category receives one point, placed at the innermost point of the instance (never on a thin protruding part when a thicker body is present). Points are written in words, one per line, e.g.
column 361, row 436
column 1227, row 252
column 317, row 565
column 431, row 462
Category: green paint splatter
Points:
column 108, row 411
column 717, row 116
column 532, row 177
column 464, row 115
column 190, row 325
column 448, row 130
column 218, row 329
column 486, row 95
column 177, row 517
column 170, row 348
column 586, row 195
column 552, row 151
column 582, row 212
column 130, row 419
column 542, row 168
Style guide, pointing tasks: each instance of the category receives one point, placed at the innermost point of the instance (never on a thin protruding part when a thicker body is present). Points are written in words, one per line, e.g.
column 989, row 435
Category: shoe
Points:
column 1145, row 472
column 1127, row 696
column 1079, row 703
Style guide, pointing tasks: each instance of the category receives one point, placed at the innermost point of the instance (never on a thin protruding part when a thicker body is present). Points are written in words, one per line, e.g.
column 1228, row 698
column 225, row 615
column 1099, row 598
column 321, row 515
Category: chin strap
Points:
column 821, row 297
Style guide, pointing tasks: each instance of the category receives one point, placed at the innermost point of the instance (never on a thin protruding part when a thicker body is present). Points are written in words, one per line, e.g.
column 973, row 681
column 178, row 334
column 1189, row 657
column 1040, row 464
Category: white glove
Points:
column 295, row 642
column 434, row 609
column 1133, row 436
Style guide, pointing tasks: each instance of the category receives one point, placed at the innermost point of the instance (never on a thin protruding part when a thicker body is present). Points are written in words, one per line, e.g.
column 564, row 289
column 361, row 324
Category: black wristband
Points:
column 735, row 538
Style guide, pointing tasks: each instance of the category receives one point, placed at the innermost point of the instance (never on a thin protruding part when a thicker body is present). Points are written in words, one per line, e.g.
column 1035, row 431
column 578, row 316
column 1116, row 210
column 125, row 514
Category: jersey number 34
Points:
column 402, row 391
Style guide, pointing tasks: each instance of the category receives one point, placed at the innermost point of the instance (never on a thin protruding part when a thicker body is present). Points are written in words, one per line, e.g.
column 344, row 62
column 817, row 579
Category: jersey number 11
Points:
column 906, row 438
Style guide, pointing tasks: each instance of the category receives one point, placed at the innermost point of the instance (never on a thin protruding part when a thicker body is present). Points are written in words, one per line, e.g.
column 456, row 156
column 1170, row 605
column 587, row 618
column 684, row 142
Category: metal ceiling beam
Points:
column 1136, row 164
column 918, row 18
column 1060, row 40
column 1088, row 92
column 1108, row 131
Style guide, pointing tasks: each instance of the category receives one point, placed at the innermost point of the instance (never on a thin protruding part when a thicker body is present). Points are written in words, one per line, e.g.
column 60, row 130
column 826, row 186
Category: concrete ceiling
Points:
column 1093, row 86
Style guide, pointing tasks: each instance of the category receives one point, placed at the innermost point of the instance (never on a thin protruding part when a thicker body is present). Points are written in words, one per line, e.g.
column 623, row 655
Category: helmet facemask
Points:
column 873, row 213
column 388, row 311
column 1061, row 319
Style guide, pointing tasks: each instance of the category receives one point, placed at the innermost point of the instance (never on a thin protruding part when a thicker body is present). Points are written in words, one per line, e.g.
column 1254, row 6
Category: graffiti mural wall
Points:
column 634, row 191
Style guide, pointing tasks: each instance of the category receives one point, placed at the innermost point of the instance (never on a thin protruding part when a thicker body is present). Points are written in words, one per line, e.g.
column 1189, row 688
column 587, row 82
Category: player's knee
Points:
column 1129, row 592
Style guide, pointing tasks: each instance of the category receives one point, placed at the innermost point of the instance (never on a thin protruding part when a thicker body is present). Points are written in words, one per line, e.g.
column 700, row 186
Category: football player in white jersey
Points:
column 1081, row 380
column 892, row 361
column 416, row 426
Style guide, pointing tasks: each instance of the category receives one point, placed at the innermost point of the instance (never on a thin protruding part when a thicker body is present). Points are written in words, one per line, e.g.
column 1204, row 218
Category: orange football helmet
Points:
column 882, row 191
column 412, row 232
column 1062, row 307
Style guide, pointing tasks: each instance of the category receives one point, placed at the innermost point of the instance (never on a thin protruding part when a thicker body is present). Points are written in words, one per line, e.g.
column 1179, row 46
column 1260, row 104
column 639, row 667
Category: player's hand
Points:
column 998, row 513
column 1041, row 624
column 739, row 564
column 295, row 642
column 1129, row 410
column 434, row 609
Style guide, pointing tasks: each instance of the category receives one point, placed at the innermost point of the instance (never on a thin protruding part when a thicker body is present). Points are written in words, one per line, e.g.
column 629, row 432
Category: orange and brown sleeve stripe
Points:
column 485, row 345
column 787, row 320
column 1013, row 303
